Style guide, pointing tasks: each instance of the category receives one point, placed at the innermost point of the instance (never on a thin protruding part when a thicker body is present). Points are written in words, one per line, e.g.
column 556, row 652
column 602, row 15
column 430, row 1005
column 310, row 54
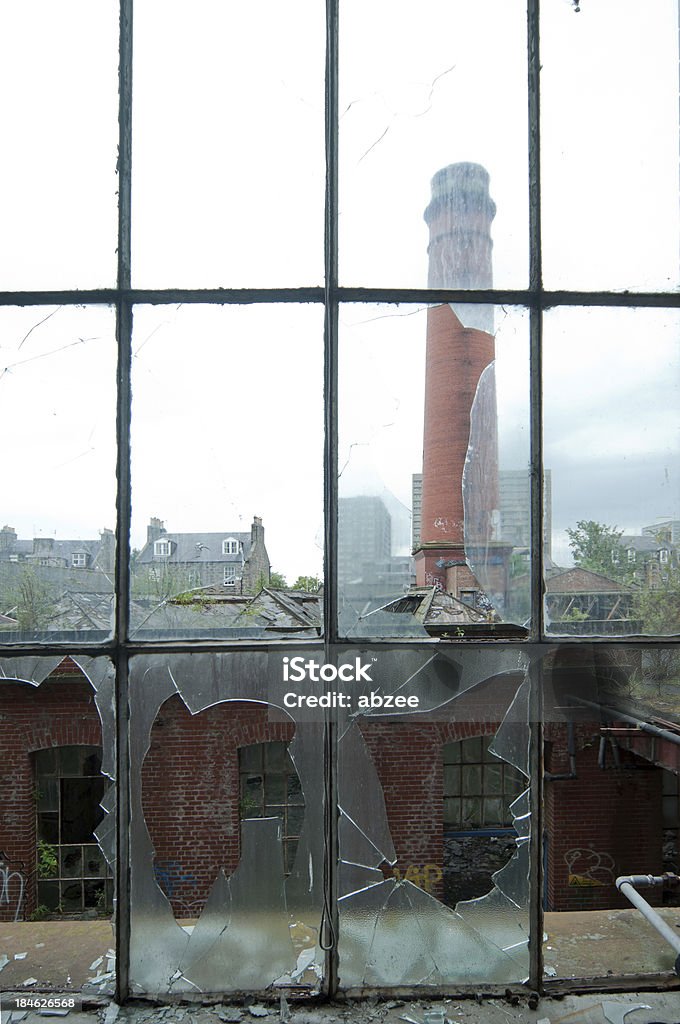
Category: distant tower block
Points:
column 459, row 218
column 460, row 346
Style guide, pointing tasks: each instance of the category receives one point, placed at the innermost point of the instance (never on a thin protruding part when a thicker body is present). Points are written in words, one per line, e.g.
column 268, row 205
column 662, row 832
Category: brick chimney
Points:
column 154, row 530
column 8, row 539
column 459, row 217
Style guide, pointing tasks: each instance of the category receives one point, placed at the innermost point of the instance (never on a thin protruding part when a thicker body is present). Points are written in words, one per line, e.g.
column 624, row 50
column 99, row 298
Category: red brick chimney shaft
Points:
column 459, row 217
column 455, row 359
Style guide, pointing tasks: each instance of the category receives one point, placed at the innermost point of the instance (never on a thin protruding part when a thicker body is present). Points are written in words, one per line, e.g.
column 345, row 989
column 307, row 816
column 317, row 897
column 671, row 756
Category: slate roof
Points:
column 199, row 548
column 644, row 543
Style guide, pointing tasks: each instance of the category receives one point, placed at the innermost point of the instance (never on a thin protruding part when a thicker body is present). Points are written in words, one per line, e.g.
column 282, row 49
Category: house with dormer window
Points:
column 237, row 561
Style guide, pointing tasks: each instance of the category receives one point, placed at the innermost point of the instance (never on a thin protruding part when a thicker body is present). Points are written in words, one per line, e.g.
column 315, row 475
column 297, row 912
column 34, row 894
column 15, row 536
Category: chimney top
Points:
column 459, row 217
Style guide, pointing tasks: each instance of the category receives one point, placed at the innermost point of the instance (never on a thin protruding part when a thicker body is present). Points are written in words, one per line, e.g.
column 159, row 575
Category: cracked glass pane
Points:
column 433, row 517
column 417, row 93
column 615, row 504
column 57, row 823
column 227, row 826
column 57, row 545
column 612, row 734
column 58, row 180
column 453, row 903
column 227, row 530
column 213, row 205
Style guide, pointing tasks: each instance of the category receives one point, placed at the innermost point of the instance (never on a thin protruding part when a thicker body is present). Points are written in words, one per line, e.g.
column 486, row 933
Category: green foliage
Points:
column 275, row 581
column 30, row 599
column 161, row 583
column 597, row 547
column 658, row 606
column 574, row 615
column 47, row 860
column 41, row 913
column 309, row 583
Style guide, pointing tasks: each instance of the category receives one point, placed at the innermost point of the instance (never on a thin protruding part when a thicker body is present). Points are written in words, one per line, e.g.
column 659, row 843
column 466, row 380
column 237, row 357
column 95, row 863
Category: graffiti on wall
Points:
column 588, row 867
column 12, row 888
column 172, row 877
column 425, row 876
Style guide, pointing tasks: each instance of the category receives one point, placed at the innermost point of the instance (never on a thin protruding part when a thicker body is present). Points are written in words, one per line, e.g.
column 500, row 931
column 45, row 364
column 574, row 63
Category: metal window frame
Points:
column 60, row 845
column 123, row 298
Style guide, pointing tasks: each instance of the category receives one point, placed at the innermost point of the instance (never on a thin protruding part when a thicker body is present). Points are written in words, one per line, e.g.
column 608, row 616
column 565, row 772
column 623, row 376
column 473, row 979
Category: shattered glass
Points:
column 393, row 931
column 496, row 477
column 245, row 923
column 69, row 754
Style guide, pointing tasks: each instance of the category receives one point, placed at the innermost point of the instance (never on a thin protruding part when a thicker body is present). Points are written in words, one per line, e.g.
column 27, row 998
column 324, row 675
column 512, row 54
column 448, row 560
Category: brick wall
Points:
column 602, row 824
column 605, row 823
column 190, row 787
column 60, row 712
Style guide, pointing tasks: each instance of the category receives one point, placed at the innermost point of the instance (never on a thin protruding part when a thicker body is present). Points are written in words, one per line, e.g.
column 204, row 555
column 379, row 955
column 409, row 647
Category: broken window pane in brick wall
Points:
column 57, row 825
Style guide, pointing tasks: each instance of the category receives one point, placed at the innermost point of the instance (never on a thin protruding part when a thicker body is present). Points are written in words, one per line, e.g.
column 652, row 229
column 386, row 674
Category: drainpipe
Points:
column 626, row 885
column 571, row 751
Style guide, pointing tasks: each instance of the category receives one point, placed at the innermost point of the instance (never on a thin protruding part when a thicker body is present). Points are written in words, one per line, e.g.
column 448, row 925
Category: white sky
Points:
column 229, row 164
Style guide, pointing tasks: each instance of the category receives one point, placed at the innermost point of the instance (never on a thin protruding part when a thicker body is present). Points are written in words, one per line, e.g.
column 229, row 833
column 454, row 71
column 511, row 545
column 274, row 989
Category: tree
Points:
column 309, row 583
column 658, row 606
column 597, row 547
column 32, row 599
column 276, row 581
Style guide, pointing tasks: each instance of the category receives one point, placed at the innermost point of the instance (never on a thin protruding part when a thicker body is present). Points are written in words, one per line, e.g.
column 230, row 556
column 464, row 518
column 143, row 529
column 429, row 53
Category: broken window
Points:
column 72, row 872
column 270, row 788
column 57, row 822
column 479, row 839
column 368, row 346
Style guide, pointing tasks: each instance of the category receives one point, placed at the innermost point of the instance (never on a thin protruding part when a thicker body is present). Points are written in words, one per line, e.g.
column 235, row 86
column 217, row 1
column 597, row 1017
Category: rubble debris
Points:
column 111, row 1013
column 258, row 1011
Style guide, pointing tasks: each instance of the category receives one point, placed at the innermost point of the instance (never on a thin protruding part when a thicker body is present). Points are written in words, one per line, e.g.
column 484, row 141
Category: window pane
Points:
column 65, row 704
column 227, row 439
column 228, row 184
column 609, row 146
column 59, row 63
column 228, row 866
column 383, row 821
column 57, row 409
column 433, row 425
column 422, row 88
column 612, row 440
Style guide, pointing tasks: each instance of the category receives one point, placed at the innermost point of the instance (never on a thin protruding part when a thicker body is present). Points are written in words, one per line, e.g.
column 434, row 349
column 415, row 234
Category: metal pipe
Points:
column 626, row 885
column 648, row 727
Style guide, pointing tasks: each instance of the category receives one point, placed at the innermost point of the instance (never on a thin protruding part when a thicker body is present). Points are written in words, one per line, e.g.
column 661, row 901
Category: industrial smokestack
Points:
column 460, row 347
column 459, row 217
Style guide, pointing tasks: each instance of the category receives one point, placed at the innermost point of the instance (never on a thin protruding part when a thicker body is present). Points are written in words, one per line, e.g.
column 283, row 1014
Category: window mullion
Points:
column 123, row 499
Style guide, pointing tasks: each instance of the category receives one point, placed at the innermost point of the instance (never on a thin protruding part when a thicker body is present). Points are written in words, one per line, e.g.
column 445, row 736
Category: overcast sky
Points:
column 228, row 157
